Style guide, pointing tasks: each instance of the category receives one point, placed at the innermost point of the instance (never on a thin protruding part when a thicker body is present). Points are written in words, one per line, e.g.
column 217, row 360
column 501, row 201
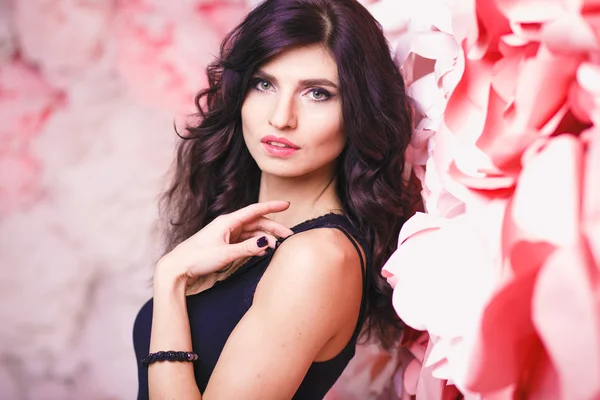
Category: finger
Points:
column 268, row 225
column 253, row 211
column 258, row 234
column 250, row 247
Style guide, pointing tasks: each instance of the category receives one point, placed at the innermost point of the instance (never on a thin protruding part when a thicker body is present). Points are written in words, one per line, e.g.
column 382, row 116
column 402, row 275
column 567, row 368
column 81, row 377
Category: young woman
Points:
column 304, row 125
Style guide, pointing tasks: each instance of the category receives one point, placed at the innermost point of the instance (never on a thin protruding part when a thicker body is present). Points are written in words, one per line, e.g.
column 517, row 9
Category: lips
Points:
column 279, row 142
column 279, row 147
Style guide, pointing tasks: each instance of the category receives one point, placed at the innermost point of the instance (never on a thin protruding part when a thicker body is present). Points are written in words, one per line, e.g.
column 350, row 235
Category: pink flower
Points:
column 503, row 272
column 545, row 316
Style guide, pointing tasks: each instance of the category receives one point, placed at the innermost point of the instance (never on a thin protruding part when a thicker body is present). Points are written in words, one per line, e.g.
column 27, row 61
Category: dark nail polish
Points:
column 262, row 242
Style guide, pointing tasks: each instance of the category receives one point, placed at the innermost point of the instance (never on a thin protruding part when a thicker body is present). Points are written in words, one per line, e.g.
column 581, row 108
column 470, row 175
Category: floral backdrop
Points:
column 506, row 97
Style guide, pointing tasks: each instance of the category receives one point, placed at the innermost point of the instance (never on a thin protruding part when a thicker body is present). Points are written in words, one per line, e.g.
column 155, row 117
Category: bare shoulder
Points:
column 319, row 269
column 320, row 252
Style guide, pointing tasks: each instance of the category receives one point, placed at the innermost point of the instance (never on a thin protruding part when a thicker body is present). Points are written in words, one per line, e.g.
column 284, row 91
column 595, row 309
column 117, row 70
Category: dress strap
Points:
column 354, row 242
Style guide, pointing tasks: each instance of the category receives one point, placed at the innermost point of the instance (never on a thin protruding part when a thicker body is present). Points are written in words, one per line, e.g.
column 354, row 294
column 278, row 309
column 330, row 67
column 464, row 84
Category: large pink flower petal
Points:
column 566, row 314
column 557, row 164
column 507, row 336
column 439, row 295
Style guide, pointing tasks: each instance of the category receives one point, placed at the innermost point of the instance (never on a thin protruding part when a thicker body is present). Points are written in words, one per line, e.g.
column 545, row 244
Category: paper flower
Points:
column 503, row 271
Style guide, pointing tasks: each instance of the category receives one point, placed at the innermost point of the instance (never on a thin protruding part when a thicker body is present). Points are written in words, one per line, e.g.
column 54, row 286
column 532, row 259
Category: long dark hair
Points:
column 215, row 174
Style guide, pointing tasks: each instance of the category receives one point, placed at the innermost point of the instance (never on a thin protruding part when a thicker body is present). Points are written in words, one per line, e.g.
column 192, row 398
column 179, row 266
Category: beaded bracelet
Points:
column 169, row 356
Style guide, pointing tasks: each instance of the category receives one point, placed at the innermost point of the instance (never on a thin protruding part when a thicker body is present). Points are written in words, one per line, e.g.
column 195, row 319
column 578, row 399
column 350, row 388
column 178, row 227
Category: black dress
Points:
column 215, row 312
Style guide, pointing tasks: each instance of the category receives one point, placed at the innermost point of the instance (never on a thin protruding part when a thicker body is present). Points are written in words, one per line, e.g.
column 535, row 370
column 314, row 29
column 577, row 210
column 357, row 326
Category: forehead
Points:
column 300, row 63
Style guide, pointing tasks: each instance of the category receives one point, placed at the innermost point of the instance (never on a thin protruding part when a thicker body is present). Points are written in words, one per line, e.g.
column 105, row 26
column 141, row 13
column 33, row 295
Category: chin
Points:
column 280, row 169
column 294, row 169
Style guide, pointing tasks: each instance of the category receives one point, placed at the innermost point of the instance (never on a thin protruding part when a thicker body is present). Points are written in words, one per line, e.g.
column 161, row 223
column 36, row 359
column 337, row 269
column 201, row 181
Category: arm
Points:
column 170, row 331
column 226, row 239
column 307, row 295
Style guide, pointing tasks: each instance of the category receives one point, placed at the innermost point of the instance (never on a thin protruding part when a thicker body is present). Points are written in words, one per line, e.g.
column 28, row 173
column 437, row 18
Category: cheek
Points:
column 330, row 135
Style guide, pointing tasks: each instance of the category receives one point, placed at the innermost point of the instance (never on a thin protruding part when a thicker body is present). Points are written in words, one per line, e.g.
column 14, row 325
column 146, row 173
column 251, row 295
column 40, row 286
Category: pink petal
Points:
column 530, row 11
column 570, row 34
column 494, row 24
column 557, row 165
column 510, row 128
column 466, row 109
column 584, row 96
column 450, row 148
column 488, row 183
column 536, row 101
column 418, row 223
column 507, row 334
column 566, row 314
column 435, row 290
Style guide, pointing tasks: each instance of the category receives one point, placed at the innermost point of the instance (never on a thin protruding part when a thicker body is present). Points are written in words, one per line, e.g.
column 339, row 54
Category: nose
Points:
column 284, row 115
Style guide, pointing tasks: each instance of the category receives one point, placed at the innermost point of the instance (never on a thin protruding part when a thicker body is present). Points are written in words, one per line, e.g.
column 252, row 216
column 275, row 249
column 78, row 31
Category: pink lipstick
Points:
column 279, row 147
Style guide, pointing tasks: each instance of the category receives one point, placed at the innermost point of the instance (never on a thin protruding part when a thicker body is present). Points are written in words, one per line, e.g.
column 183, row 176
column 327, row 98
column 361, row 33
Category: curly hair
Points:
column 214, row 173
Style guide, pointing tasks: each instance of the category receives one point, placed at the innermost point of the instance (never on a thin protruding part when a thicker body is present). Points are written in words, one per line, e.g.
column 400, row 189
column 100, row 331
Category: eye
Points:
column 262, row 85
column 320, row 94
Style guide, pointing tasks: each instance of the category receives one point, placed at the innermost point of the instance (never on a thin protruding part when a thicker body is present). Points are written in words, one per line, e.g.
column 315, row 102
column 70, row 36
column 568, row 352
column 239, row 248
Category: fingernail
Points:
column 262, row 242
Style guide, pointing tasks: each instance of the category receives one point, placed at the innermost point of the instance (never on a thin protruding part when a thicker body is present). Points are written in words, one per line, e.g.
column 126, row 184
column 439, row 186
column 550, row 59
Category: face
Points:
column 292, row 114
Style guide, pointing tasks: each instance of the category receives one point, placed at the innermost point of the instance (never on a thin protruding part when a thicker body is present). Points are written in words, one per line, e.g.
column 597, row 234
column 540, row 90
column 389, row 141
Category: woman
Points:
column 304, row 125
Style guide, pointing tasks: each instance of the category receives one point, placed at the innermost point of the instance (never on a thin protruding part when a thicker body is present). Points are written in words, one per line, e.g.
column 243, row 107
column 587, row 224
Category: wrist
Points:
column 167, row 278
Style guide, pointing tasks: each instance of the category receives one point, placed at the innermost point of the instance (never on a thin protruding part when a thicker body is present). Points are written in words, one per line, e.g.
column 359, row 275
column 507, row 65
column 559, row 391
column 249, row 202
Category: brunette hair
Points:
column 215, row 174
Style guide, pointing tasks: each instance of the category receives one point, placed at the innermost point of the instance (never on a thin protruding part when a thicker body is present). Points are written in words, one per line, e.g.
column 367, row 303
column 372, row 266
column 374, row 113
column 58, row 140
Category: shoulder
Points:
column 320, row 253
column 320, row 245
column 318, row 269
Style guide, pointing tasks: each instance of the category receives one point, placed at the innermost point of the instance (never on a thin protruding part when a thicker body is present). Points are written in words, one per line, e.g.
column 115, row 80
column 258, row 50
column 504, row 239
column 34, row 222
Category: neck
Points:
column 309, row 197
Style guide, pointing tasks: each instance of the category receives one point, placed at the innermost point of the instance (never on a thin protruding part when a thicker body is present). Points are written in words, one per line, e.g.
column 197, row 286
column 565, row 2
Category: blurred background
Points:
column 89, row 92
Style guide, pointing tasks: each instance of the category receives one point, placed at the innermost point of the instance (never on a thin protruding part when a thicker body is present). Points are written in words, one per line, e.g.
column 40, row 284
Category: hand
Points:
column 227, row 238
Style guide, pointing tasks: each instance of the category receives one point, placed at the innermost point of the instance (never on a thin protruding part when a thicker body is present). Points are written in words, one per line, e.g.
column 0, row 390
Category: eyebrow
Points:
column 305, row 82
